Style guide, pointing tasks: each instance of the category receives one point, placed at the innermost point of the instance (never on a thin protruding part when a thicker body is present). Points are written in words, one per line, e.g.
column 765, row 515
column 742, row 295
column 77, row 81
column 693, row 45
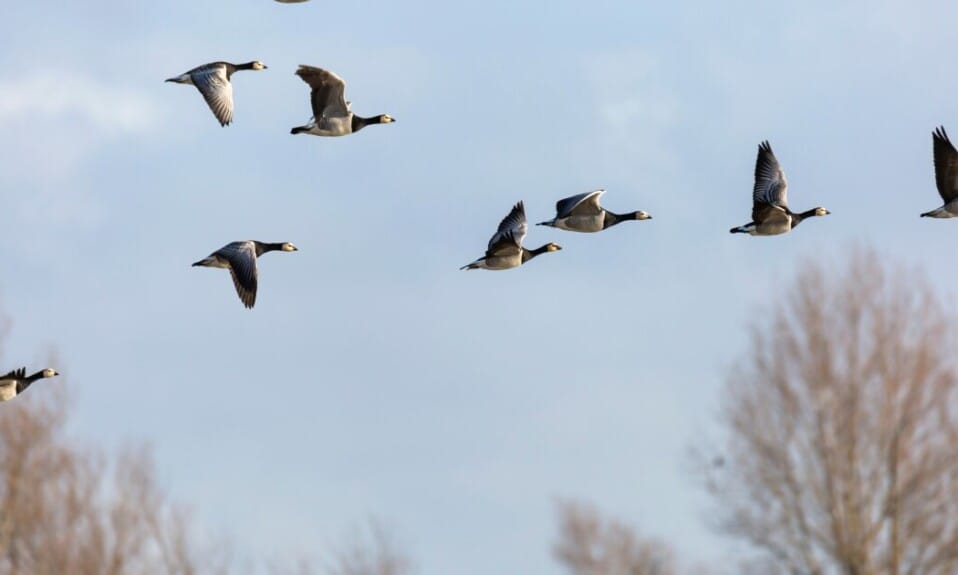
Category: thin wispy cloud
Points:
column 55, row 121
column 66, row 96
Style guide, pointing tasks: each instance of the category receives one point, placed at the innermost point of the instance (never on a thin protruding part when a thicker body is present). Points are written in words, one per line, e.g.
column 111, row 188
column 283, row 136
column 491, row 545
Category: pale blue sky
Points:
column 373, row 378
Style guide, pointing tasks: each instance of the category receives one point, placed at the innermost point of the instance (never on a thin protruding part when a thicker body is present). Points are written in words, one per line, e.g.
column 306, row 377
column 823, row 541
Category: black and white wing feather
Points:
column 586, row 204
column 242, row 259
column 217, row 90
column 328, row 97
column 512, row 230
column 946, row 165
column 771, row 187
column 14, row 375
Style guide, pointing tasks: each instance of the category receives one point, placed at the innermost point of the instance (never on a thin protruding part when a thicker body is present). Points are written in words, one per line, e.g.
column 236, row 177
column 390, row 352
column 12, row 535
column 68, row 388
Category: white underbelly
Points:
column 8, row 392
column 502, row 262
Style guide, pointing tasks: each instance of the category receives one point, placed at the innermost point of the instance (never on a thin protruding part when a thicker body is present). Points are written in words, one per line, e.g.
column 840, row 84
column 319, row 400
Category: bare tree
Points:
column 841, row 423
column 591, row 545
column 65, row 508
column 369, row 551
column 372, row 554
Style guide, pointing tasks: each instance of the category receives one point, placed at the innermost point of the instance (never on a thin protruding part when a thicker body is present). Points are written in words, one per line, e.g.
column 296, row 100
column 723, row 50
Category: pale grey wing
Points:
column 505, row 245
column 328, row 97
column 217, row 91
column 512, row 228
column 769, row 214
column 946, row 165
column 770, row 184
column 586, row 204
column 242, row 259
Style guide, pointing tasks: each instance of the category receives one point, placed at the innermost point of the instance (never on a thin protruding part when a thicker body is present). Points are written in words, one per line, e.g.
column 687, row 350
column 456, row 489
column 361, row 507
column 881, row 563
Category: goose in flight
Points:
column 505, row 247
column 770, row 213
column 582, row 213
column 17, row 381
column 240, row 259
column 946, row 175
column 213, row 81
column 332, row 115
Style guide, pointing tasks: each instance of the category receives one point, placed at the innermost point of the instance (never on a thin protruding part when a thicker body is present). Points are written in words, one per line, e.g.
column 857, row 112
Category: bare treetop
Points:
column 591, row 545
column 842, row 431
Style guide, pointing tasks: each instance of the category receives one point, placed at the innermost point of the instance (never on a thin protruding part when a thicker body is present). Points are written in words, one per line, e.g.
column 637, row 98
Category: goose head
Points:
column 820, row 211
column 257, row 65
column 49, row 372
column 288, row 247
column 386, row 119
column 641, row 215
column 551, row 247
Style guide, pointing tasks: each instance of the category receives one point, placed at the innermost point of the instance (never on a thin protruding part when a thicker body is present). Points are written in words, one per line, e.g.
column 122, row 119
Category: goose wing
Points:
column 586, row 204
column 212, row 82
column 512, row 230
column 771, row 187
column 946, row 165
column 242, row 259
column 769, row 214
column 14, row 375
column 328, row 96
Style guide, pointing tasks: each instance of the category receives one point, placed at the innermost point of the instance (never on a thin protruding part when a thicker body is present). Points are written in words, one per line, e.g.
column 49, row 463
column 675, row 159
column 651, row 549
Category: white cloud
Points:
column 634, row 109
column 67, row 96
column 54, row 121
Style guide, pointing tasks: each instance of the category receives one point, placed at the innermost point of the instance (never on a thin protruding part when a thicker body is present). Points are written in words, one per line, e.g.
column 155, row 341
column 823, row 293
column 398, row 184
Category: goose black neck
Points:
column 359, row 122
column 797, row 218
column 529, row 254
column 230, row 68
column 263, row 247
column 612, row 218
column 32, row 378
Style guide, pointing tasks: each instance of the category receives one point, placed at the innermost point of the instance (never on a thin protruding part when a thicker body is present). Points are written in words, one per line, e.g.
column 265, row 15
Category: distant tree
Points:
column 590, row 545
column 374, row 553
column 67, row 509
column 370, row 551
column 841, row 423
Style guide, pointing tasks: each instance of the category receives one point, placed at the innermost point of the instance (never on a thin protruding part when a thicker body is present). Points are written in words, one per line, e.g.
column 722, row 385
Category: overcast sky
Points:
column 373, row 377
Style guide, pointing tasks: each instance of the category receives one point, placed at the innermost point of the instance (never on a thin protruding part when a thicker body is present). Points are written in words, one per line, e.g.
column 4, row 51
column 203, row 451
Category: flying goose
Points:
column 770, row 213
column 213, row 81
column 240, row 259
column 505, row 247
column 332, row 115
column 16, row 382
column 582, row 213
column 946, row 175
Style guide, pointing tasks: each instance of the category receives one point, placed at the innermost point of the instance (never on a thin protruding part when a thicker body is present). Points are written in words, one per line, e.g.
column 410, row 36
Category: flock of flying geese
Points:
column 333, row 117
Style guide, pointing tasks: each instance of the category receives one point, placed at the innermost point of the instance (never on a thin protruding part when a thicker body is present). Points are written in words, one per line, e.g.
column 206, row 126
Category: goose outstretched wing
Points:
column 217, row 90
column 242, row 259
column 328, row 97
column 14, row 375
column 771, row 187
column 946, row 165
column 512, row 230
column 586, row 204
